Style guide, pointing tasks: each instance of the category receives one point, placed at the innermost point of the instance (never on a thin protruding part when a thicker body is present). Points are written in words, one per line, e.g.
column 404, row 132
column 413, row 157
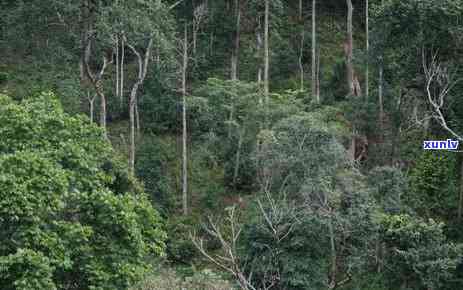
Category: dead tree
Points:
column 229, row 260
column 439, row 82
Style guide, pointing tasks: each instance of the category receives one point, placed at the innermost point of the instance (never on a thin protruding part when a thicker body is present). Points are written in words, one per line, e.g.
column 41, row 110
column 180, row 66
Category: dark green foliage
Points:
column 155, row 158
column 388, row 184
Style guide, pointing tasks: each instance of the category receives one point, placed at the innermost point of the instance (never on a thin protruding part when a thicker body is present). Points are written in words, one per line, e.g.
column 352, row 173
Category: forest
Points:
column 231, row 144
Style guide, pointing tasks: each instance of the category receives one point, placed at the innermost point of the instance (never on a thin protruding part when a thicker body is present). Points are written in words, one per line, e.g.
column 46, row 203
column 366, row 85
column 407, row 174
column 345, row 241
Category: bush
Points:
column 60, row 224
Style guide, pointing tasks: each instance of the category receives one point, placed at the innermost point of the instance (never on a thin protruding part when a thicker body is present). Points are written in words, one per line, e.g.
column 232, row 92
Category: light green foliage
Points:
column 60, row 223
column 291, row 155
column 418, row 253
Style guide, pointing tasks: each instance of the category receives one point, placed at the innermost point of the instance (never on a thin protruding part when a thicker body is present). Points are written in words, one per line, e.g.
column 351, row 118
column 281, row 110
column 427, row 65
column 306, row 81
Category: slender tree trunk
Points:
column 267, row 51
column 367, row 69
column 238, row 156
column 117, row 67
column 102, row 105
column 333, row 251
column 259, row 50
column 142, row 71
column 235, row 57
column 314, row 52
column 460, row 203
column 380, row 96
column 236, row 42
column 352, row 146
column 318, row 75
column 184, row 125
column 133, row 96
column 349, row 49
column 211, row 44
column 91, row 102
column 301, row 46
column 121, row 86
column 137, row 118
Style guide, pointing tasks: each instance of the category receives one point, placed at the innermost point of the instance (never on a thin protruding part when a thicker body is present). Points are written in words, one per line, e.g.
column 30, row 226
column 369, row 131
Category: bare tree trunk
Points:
column 211, row 44
column 333, row 271
column 236, row 43
column 121, row 86
column 142, row 71
column 96, row 78
column 367, row 69
column 267, row 52
column 380, row 96
column 238, row 156
column 133, row 96
column 137, row 118
column 318, row 74
column 349, row 49
column 352, row 146
column 117, row 66
column 102, row 107
column 235, row 57
column 460, row 203
column 301, row 47
column 91, row 102
column 314, row 52
column 259, row 50
column 184, row 125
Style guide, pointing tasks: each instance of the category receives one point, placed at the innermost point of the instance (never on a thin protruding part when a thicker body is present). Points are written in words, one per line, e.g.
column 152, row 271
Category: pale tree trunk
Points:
column 460, row 203
column 236, row 42
column 102, row 106
column 137, row 118
column 333, row 270
column 259, row 50
column 238, row 156
column 211, row 44
column 314, row 52
column 301, row 47
column 96, row 80
column 349, row 49
column 267, row 51
column 143, row 62
column 351, row 151
column 235, row 57
column 91, row 102
column 367, row 33
column 121, row 86
column 184, row 125
column 380, row 96
column 318, row 75
column 117, row 65
column 380, row 93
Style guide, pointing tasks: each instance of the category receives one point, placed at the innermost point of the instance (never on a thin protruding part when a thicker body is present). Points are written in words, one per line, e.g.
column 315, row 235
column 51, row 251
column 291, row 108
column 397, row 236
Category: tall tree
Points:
column 143, row 62
column 367, row 39
column 266, row 50
column 314, row 52
column 301, row 46
column 236, row 42
column 349, row 49
column 184, row 123
column 96, row 77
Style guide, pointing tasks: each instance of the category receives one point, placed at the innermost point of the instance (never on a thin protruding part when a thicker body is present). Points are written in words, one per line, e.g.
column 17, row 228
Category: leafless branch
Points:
column 438, row 76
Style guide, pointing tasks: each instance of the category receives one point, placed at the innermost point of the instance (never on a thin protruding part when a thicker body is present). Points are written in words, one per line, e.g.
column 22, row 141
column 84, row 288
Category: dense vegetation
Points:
column 230, row 144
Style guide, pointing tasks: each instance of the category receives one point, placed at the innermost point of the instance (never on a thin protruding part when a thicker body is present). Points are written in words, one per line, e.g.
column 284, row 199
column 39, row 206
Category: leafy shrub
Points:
column 60, row 224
